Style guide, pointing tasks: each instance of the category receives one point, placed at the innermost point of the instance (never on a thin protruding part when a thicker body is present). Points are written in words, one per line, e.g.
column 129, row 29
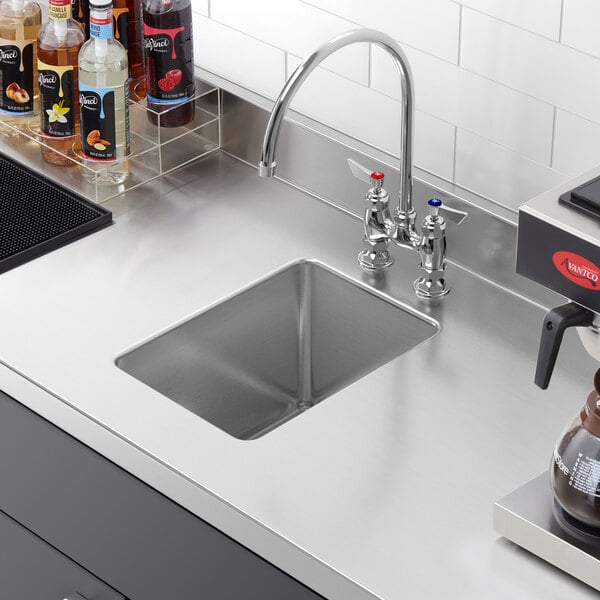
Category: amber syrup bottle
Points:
column 127, row 19
column 169, row 58
column 19, row 25
column 59, row 41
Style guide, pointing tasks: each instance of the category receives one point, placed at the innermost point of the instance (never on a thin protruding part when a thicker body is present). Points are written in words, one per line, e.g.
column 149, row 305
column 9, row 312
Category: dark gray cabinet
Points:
column 31, row 569
column 113, row 525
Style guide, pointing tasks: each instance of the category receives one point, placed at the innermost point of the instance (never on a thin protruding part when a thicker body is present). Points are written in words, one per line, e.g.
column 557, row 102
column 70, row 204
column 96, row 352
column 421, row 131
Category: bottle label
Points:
column 101, row 28
column 169, row 61
column 16, row 75
column 98, row 136
column 80, row 9
column 121, row 25
column 59, row 9
column 57, row 99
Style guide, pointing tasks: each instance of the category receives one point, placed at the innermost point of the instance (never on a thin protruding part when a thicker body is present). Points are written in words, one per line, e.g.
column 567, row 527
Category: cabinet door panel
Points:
column 125, row 532
column 30, row 569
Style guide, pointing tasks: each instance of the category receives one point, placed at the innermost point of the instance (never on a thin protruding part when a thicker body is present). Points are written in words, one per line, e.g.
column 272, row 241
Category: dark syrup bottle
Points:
column 169, row 61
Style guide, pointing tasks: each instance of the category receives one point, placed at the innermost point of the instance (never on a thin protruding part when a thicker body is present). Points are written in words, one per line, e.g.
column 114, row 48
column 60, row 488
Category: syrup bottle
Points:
column 169, row 61
column 80, row 9
column 127, row 22
column 59, row 41
column 127, row 18
column 19, row 25
column 103, row 93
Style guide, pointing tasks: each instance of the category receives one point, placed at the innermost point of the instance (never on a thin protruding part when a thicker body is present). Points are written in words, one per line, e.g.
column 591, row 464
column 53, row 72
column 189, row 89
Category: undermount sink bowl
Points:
column 272, row 351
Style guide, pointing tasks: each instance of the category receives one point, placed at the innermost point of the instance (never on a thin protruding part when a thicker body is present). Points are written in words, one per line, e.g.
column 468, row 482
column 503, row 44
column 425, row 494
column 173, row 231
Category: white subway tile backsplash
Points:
column 507, row 114
column 374, row 118
column 434, row 145
column 238, row 57
column 532, row 64
column 200, row 6
column 472, row 102
column 435, row 81
column 576, row 144
column 430, row 25
column 493, row 111
column 498, row 173
column 295, row 27
column 539, row 16
column 581, row 23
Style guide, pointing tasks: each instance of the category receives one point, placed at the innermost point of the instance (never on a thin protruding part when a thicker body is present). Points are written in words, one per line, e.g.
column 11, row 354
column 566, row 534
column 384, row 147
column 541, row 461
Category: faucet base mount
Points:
column 431, row 285
column 375, row 256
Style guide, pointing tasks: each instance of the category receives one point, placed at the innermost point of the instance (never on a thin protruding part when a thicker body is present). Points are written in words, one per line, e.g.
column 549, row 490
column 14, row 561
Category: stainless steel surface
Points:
column 264, row 356
column 407, row 101
column 361, row 497
column 74, row 596
column 526, row 517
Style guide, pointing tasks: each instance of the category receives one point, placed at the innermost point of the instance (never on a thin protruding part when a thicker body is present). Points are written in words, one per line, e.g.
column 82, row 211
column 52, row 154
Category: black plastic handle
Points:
column 555, row 323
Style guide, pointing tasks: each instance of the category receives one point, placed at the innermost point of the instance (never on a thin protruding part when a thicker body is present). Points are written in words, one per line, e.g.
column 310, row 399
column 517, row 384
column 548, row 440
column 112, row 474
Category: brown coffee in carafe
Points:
column 575, row 468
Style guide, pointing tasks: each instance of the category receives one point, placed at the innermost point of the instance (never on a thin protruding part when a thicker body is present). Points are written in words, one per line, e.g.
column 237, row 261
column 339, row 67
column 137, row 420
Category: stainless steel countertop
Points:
column 384, row 490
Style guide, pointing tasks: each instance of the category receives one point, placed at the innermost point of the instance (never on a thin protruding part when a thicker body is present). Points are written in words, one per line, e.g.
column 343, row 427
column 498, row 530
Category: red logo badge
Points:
column 577, row 269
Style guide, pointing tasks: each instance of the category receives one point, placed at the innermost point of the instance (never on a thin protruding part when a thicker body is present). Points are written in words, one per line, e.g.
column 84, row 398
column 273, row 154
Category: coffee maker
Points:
column 557, row 515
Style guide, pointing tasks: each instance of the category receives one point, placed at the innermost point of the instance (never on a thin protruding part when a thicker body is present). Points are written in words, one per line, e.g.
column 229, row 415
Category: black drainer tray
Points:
column 37, row 215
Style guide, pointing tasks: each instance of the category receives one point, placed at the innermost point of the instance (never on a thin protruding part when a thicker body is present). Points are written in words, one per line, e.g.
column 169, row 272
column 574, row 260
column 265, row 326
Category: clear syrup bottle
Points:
column 59, row 41
column 19, row 25
column 103, row 95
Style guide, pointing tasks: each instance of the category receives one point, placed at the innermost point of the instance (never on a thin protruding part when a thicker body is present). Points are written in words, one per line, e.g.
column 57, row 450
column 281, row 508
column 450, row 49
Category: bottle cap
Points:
column 100, row 3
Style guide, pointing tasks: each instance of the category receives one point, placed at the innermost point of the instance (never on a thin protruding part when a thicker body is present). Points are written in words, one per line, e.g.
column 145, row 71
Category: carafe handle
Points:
column 555, row 322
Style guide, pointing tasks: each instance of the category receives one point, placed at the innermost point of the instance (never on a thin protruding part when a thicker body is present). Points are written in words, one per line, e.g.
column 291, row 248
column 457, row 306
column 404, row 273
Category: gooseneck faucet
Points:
column 380, row 228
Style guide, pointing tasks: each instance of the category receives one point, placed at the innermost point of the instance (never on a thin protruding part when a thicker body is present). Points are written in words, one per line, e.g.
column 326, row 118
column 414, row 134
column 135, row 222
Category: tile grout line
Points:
column 511, row 24
column 553, row 140
column 561, row 21
column 369, row 65
column 460, row 23
column 209, row 8
column 454, row 152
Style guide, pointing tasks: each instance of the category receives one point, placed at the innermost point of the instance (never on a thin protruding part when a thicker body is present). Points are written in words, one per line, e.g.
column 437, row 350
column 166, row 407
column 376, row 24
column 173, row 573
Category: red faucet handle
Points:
column 374, row 178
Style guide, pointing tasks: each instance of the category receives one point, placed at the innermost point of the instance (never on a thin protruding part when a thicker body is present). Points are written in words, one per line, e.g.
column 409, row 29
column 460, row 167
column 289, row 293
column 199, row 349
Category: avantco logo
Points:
column 577, row 269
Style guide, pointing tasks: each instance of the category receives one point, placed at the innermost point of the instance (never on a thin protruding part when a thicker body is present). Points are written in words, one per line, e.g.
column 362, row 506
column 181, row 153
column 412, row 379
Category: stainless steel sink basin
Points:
column 274, row 350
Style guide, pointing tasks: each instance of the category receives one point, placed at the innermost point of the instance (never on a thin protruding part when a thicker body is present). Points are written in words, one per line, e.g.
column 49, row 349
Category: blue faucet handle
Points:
column 449, row 214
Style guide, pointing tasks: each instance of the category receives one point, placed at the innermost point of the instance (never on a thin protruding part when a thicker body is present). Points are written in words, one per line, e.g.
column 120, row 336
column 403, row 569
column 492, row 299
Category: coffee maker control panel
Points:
column 559, row 242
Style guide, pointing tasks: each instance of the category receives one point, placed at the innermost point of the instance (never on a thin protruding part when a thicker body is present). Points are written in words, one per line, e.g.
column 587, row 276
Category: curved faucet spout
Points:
column 266, row 168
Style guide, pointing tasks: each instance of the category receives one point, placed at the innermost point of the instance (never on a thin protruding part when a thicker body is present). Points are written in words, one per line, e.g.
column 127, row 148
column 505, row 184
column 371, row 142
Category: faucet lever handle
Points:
column 373, row 178
column 449, row 214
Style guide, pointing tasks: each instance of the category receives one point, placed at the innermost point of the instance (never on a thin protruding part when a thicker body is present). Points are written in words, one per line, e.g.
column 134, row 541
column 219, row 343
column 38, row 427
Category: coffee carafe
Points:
column 575, row 462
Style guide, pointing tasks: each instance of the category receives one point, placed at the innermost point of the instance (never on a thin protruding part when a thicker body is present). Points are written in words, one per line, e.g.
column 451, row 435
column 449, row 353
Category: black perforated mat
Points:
column 37, row 215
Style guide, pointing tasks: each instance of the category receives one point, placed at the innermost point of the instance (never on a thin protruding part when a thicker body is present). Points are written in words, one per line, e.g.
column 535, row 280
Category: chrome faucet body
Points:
column 380, row 226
